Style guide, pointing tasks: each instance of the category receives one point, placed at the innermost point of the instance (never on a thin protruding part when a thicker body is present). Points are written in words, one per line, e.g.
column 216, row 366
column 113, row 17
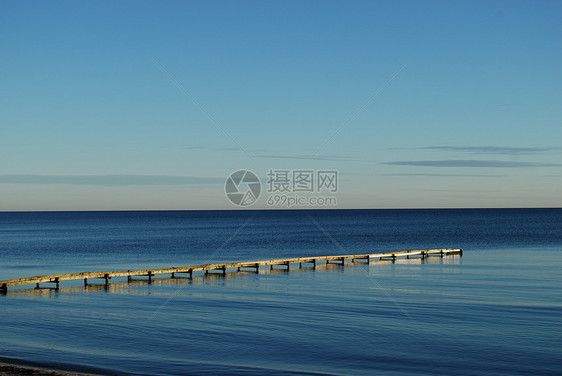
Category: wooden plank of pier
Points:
column 222, row 267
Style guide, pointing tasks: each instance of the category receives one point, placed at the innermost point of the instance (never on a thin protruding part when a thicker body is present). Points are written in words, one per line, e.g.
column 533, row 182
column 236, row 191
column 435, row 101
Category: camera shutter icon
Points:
column 243, row 188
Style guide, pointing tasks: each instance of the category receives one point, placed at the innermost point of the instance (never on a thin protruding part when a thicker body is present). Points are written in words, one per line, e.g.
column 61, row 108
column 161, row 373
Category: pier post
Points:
column 37, row 285
column 314, row 263
column 4, row 288
column 224, row 270
column 106, row 277
column 173, row 275
column 85, row 282
column 288, row 265
column 460, row 253
column 149, row 277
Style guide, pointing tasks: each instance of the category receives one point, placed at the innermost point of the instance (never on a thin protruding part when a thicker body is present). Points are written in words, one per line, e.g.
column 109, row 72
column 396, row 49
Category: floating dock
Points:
column 56, row 279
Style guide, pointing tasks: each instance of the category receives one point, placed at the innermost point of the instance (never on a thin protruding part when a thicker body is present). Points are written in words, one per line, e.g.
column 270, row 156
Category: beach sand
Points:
column 15, row 369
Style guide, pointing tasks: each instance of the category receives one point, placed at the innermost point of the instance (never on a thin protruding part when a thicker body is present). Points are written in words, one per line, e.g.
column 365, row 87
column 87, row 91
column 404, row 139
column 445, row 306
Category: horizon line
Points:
column 270, row 209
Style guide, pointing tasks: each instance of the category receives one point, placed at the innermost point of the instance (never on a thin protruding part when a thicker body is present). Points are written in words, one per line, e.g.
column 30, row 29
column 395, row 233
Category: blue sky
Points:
column 151, row 105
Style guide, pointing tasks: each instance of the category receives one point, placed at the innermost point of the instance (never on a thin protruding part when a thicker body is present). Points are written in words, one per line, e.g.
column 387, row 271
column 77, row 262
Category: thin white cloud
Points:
column 310, row 157
column 447, row 175
column 107, row 180
column 472, row 163
column 499, row 150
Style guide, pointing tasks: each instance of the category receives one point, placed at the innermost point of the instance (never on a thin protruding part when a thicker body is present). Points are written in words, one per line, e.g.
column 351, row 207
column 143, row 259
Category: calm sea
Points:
column 495, row 310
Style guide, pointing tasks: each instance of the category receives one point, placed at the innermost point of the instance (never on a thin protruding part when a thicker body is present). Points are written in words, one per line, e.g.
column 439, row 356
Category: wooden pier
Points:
column 222, row 267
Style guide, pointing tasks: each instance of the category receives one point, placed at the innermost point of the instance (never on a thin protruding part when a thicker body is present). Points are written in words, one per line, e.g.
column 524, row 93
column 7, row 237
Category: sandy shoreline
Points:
column 7, row 369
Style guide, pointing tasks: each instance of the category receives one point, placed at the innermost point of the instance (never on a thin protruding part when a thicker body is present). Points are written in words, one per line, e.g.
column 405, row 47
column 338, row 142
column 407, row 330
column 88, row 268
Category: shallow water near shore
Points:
column 495, row 310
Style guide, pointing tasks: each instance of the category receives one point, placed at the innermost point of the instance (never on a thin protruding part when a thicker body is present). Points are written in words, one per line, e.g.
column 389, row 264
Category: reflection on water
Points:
column 124, row 285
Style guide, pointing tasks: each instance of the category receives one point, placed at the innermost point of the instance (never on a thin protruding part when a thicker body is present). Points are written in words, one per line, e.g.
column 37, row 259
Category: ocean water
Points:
column 495, row 310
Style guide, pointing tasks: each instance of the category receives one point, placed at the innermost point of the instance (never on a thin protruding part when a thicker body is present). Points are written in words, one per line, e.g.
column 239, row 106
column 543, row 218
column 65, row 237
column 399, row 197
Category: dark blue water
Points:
column 495, row 310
